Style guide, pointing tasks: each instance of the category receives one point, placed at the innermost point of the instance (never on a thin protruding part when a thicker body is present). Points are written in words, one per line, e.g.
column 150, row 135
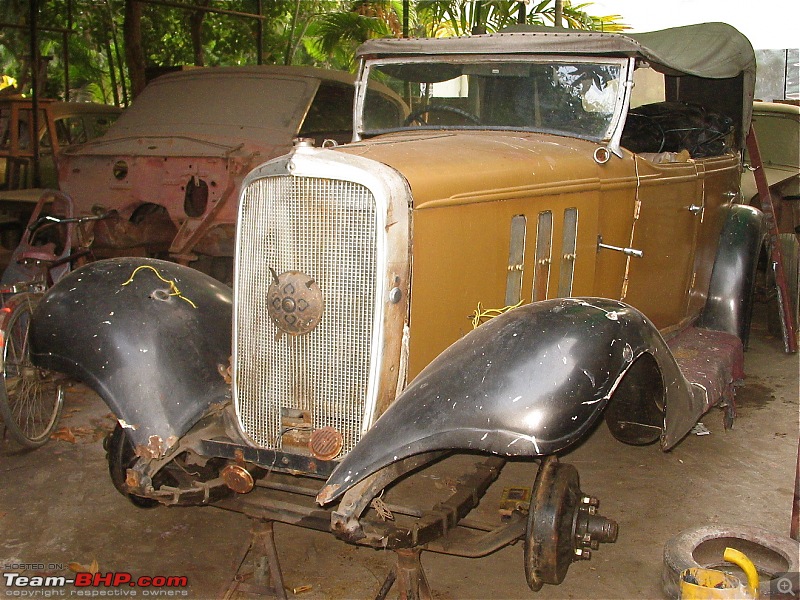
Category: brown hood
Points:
column 451, row 167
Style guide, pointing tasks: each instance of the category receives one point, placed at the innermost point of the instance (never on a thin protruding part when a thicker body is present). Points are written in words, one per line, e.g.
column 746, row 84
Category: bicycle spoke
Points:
column 33, row 400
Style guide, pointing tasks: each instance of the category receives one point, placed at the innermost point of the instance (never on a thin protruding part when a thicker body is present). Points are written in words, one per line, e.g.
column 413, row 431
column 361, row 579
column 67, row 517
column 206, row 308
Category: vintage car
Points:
column 61, row 124
column 173, row 165
column 777, row 128
column 549, row 235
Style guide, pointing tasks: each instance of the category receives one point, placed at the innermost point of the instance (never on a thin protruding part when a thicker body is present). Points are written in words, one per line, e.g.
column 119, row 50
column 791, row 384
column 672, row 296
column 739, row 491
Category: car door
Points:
column 670, row 206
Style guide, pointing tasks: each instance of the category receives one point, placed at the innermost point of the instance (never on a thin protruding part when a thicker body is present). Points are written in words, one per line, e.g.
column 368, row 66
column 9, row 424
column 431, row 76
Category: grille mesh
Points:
column 326, row 229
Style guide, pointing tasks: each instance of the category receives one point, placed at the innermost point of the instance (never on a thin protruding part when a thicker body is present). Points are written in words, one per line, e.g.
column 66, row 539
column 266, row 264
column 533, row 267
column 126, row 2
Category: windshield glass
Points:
column 566, row 97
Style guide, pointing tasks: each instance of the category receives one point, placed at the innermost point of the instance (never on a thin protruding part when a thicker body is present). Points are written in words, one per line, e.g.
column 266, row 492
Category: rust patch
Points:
column 226, row 372
column 132, row 479
column 326, row 493
column 153, row 449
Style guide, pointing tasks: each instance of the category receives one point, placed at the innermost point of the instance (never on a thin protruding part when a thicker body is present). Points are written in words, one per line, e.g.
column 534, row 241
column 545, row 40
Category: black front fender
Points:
column 150, row 347
column 527, row 383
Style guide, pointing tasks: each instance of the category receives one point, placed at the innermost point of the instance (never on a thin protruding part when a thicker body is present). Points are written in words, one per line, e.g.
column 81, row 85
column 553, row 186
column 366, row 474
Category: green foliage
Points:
column 315, row 32
column 445, row 18
column 333, row 37
column 94, row 23
column 575, row 17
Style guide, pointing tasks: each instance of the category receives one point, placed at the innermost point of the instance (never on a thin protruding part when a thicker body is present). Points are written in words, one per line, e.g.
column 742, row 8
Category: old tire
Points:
column 704, row 546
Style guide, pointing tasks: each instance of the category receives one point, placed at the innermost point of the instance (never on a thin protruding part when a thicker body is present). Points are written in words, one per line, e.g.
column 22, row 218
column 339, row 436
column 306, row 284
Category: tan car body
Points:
column 461, row 225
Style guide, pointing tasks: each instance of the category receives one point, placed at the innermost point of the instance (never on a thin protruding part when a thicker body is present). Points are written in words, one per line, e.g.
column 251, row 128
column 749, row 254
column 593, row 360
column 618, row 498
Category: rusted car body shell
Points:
column 186, row 143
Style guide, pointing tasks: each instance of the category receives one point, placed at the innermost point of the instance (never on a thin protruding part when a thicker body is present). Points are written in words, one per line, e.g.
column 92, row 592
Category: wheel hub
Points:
column 563, row 524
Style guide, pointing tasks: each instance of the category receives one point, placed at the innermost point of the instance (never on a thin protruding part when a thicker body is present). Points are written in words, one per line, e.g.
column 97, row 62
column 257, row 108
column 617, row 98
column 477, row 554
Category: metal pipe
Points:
column 36, row 179
column 45, row 29
column 794, row 530
column 260, row 34
column 65, row 44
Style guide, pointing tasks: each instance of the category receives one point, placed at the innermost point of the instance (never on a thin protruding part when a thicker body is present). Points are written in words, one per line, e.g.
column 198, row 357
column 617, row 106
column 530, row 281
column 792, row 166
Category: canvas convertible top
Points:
column 711, row 51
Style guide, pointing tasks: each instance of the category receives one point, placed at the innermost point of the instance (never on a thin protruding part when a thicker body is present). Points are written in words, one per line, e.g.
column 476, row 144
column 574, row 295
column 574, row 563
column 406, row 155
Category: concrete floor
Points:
column 57, row 505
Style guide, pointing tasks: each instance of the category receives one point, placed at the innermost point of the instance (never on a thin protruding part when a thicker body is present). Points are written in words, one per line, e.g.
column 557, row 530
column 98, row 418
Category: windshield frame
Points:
column 609, row 138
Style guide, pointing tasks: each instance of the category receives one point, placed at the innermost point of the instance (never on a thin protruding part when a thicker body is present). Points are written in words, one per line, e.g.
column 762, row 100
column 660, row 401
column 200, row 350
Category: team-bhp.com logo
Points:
column 114, row 583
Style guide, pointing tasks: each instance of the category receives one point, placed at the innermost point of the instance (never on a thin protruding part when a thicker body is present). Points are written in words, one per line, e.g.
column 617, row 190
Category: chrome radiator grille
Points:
column 326, row 229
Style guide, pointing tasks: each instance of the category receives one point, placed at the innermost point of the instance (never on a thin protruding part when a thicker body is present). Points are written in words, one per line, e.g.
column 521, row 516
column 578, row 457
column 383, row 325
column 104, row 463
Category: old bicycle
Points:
column 53, row 243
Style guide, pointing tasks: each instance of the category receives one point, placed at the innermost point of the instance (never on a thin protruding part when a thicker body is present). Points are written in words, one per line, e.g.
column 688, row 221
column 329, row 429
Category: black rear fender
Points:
column 729, row 306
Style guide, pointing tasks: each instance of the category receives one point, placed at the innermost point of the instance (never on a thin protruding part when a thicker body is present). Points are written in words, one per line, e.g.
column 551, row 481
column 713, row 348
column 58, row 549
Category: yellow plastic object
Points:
column 745, row 564
column 710, row 584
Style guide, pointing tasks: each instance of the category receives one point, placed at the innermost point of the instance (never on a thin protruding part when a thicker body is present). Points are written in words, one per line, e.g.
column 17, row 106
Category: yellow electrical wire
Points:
column 173, row 287
column 481, row 315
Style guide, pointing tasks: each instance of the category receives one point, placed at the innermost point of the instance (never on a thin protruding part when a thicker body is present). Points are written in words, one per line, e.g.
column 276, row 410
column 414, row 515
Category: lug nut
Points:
column 583, row 554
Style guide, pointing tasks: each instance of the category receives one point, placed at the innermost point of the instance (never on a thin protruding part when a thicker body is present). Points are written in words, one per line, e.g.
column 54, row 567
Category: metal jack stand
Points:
column 267, row 579
column 411, row 581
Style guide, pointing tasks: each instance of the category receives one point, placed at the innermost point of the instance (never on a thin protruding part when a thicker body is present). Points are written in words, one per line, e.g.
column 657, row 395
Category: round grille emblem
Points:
column 295, row 302
column 325, row 443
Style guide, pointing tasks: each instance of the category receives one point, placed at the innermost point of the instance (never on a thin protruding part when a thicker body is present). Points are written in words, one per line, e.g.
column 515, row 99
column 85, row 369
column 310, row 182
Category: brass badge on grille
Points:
column 325, row 443
column 295, row 302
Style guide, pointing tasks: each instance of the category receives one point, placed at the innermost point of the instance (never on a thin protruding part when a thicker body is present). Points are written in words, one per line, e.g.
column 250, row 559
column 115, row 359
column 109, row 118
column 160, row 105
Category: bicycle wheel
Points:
column 30, row 398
